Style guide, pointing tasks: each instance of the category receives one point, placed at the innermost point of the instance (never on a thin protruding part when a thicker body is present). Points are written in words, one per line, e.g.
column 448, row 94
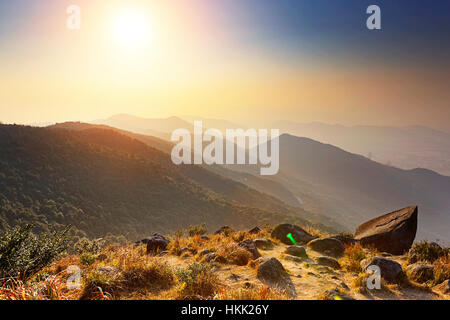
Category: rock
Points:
column 264, row 244
column 329, row 262
column 206, row 238
column 250, row 246
column 226, row 230
column 443, row 288
column 204, row 252
column 212, row 257
column 300, row 236
column 255, row 230
column 142, row 241
column 420, row 273
column 393, row 233
column 296, row 251
column 346, row 240
column 291, row 258
column 328, row 246
column 157, row 243
column 390, row 270
column 271, row 272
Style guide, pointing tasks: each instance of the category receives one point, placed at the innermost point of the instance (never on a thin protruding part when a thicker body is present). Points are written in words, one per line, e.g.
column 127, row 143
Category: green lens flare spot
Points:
column 290, row 237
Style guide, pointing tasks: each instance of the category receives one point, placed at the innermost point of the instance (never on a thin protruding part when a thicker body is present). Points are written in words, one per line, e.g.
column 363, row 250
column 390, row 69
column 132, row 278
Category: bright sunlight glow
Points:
column 132, row 29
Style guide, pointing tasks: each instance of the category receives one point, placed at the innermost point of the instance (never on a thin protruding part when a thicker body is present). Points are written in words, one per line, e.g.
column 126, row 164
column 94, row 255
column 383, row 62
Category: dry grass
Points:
column 441, row 269
column 354, row 254
column 260, row 293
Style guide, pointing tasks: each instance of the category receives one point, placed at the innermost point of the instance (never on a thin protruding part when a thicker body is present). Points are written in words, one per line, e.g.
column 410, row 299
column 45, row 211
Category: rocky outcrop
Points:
column 272, row 273
column 420, row 272
column 157, row 243
column 328, row 246
column 300, row 236
column 392, row 233
column 296, row 251
column 390, row 269
column 328, row 262
column 250, row 246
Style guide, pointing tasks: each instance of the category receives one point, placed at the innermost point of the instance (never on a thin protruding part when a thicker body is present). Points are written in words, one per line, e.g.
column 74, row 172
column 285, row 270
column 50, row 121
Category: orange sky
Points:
column 192, row 65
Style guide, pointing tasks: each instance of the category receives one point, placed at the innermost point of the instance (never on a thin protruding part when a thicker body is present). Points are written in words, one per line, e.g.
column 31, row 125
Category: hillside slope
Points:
column 353, row 189
column 103, row 182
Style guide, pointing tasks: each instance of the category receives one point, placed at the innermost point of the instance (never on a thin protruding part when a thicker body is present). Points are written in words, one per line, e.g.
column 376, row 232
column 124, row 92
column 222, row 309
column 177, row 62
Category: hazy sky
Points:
column 302, row 60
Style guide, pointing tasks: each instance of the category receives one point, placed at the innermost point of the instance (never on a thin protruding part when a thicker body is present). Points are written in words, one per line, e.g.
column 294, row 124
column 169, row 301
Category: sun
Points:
column 132, row 29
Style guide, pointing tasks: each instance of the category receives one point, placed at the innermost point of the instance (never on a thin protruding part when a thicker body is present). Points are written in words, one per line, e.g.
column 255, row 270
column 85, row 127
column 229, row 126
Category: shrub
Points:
column 147, row 274
column 197, row 279
column 24, row 254
column 353, row 256
column 425, row 251
column 84, row 245
column 233, row 254
column 197, row 230
column 87, row 259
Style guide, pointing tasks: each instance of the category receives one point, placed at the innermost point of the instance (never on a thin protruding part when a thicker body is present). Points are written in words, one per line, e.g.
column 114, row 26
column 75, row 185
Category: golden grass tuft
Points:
column 259, row 293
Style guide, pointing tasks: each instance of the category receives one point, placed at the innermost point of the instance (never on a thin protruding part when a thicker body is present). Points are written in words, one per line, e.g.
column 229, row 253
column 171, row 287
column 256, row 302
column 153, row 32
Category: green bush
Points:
column 87, row 259
column 23, row 254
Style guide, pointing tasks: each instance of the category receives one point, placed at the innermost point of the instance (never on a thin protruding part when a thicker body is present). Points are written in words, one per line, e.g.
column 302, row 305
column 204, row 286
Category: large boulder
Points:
column 393, row 232
column 157, row 243
column 250, row 246
column 272, row 273
column 300, row 236
column 328, row 246
column 390, row 269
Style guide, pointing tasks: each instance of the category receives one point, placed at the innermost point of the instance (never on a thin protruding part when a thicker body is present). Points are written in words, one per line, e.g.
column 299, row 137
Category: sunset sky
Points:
column 243, row 60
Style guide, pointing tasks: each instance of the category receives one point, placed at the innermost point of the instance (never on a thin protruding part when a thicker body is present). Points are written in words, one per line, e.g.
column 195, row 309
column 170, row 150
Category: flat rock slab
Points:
column 393, row 233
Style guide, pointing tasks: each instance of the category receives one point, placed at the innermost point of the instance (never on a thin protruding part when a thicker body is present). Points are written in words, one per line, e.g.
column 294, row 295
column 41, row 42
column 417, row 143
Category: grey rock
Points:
column 328, row 246
column 255, row 230
column 271, row 272
column 390, row 270
column 297, row 251
column 329, row 262
column 264, row 244
column 157, row 243
column 420, row 272
column 250, row 246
